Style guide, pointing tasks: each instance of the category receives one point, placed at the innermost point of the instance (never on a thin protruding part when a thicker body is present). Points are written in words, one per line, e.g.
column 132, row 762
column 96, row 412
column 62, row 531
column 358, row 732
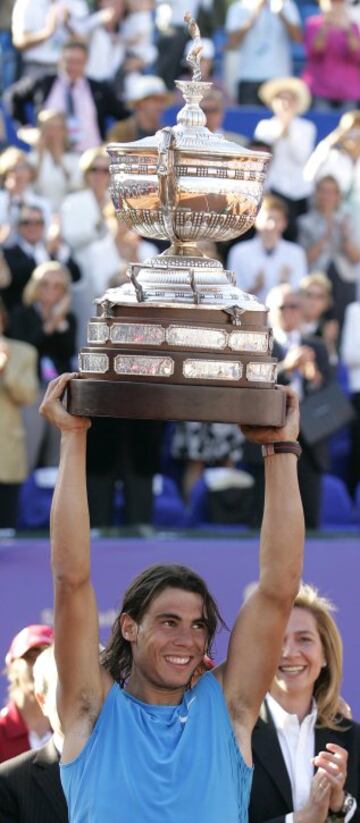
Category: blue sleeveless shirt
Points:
column 160, row 764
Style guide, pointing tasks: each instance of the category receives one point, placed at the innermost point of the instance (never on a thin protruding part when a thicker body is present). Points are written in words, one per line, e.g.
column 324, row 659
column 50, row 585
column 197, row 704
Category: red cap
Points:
column 28, row 638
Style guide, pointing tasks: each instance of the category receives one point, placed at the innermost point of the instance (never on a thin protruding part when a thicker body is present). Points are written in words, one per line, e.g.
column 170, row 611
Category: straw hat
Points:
column 294, row 85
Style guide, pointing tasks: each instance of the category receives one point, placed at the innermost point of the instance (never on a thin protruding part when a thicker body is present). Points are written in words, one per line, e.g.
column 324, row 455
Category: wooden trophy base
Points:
column 158, row 401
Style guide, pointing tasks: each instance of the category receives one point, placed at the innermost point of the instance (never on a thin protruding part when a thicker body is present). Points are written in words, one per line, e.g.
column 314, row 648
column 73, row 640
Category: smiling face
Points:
column 302, row 658
column 168, row 644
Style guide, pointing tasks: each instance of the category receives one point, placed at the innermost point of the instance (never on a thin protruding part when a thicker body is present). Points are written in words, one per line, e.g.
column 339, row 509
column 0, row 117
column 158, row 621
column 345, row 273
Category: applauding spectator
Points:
column 41, row 28
column 332, row 42
column 56, row 168
column 262, row 31
column 17, row 176
column 292, row 140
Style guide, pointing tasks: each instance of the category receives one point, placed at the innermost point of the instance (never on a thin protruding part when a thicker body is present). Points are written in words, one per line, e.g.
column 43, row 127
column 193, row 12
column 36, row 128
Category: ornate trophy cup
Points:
column 180, row 341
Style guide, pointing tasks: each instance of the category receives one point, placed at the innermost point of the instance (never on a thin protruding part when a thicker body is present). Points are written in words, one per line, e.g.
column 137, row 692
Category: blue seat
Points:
column 168, row 508
column 336, row 504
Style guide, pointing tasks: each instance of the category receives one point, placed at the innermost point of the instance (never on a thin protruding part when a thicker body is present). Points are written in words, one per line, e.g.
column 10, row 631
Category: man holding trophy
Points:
column 145, row 741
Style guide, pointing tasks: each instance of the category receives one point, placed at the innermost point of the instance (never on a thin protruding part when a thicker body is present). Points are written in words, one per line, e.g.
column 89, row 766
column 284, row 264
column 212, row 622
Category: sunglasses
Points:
column 99, row 169
column 289, row 306
column 31, row 222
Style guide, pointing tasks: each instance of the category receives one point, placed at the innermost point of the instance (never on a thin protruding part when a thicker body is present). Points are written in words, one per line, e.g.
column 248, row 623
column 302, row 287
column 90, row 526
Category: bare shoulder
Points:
column 81, row 728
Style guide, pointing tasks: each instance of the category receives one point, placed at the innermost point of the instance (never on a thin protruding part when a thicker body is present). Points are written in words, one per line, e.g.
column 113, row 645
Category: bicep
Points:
column 77, row 652
column 253, row 654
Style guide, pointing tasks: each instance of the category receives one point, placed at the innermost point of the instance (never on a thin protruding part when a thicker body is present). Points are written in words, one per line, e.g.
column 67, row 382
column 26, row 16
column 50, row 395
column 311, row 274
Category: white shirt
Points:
column 291, row 340
column 38, row 740
column 265, row 51
column 285, row 264
column 106, row 53
column 297, row 743
column 30, row 16
column 350, row 345
column 290, row 153
column 55, row 180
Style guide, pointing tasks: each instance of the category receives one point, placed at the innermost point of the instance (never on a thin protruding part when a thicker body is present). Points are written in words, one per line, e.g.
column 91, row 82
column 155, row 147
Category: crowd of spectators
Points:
column 78, row 74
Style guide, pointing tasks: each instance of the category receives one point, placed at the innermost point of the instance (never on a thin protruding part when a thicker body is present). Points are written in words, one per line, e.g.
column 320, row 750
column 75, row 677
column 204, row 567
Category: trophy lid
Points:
column 190, row 134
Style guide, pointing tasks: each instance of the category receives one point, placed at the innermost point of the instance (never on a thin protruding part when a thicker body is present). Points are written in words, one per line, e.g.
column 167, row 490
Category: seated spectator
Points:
column 261, row 33
column 87, row 104
column 326, row 233
column 292, row 139
column 199, row 445
column 46, row 321
column 30, row 786
column 32, row 246
column 267, row 259
column 22, row 723
column 39, row 31
column 148, row 96
column 304, row 365
column 316, row 291
column 213, row 105
column 338, row 155
column 17, row 177
column 56, row 168
column 350, row 354
column 18, row 386
column 83, row 221
column 130, row 246
column 332, row 45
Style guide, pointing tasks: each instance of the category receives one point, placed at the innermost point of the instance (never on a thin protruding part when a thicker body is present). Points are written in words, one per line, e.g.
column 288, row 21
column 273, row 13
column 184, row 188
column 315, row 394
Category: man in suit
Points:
column 87, row 104
column 30, row 787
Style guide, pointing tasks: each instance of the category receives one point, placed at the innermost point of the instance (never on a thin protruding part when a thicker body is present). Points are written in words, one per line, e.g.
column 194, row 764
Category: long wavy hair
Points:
column 117, row 655
column 327, row 686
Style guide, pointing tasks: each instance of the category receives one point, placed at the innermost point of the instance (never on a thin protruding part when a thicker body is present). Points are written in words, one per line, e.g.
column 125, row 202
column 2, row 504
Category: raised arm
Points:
column 256, row 639
column 81, row 684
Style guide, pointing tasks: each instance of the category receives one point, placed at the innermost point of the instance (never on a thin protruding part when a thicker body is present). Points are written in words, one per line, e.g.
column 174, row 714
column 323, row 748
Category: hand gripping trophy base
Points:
column 180, row 341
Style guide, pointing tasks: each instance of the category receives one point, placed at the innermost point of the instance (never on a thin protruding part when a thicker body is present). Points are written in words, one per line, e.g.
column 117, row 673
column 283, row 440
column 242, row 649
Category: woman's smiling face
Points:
column 302, row 657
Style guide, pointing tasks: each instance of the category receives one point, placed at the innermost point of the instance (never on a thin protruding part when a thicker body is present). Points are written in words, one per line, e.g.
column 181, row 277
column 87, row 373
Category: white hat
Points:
column 297, row 87
column 208, row 48
column 146, row 85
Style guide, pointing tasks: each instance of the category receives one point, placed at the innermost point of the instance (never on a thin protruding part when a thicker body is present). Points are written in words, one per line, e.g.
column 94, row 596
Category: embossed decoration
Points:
column 98, row 332
column 261, row 372
column 93, row 362
column 249, row 341
column 137, row 334
column 195, row 337
column 144, row 366
column 212, row 369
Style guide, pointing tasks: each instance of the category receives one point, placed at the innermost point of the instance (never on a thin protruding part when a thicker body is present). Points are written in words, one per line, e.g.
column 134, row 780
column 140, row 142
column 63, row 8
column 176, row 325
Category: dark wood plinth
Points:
column 157, row 401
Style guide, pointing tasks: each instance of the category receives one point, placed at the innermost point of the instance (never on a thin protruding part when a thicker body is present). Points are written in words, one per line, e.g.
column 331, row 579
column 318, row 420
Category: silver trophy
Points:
column 180, row 341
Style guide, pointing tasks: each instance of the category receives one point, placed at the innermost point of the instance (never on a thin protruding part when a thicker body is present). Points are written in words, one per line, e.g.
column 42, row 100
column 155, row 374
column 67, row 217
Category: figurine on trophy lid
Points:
column 180, row 341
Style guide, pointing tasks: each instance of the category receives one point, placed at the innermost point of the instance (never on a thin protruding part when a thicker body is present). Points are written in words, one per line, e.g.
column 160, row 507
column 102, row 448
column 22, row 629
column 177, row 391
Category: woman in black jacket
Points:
column 306, row 752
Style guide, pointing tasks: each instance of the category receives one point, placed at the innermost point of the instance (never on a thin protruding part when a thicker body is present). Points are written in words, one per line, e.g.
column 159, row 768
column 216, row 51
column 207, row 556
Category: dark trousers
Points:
column 355, row 445
column 9, row 493
column 248, row 93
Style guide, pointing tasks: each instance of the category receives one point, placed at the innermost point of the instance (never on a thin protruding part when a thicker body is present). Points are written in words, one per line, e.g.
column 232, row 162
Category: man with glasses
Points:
column 31, row 247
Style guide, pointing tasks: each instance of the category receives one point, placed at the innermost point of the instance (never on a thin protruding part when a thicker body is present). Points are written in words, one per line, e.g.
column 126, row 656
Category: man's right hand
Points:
column 54, row 410
column 290, row 429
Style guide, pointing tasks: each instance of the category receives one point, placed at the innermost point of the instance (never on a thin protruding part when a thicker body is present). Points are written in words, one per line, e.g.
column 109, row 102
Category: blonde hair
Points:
column 316, row 278
column 88, row 157
column 327, row 686
column 31, row 289
column 10, row 158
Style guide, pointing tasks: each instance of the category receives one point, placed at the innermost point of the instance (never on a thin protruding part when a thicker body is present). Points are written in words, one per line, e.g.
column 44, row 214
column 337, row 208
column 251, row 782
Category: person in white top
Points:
column 17, row 177
column 350, row 354
column 40, row 29
column 56, row 168
column 292, row 139
column 311, row 775
column 261, row 32
column 267, row 260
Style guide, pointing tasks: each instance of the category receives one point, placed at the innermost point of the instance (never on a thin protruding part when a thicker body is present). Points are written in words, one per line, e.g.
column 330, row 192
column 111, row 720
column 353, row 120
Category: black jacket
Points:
column 21, row 266
column 271, row 797
column 30, row 788
column 29, row 92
